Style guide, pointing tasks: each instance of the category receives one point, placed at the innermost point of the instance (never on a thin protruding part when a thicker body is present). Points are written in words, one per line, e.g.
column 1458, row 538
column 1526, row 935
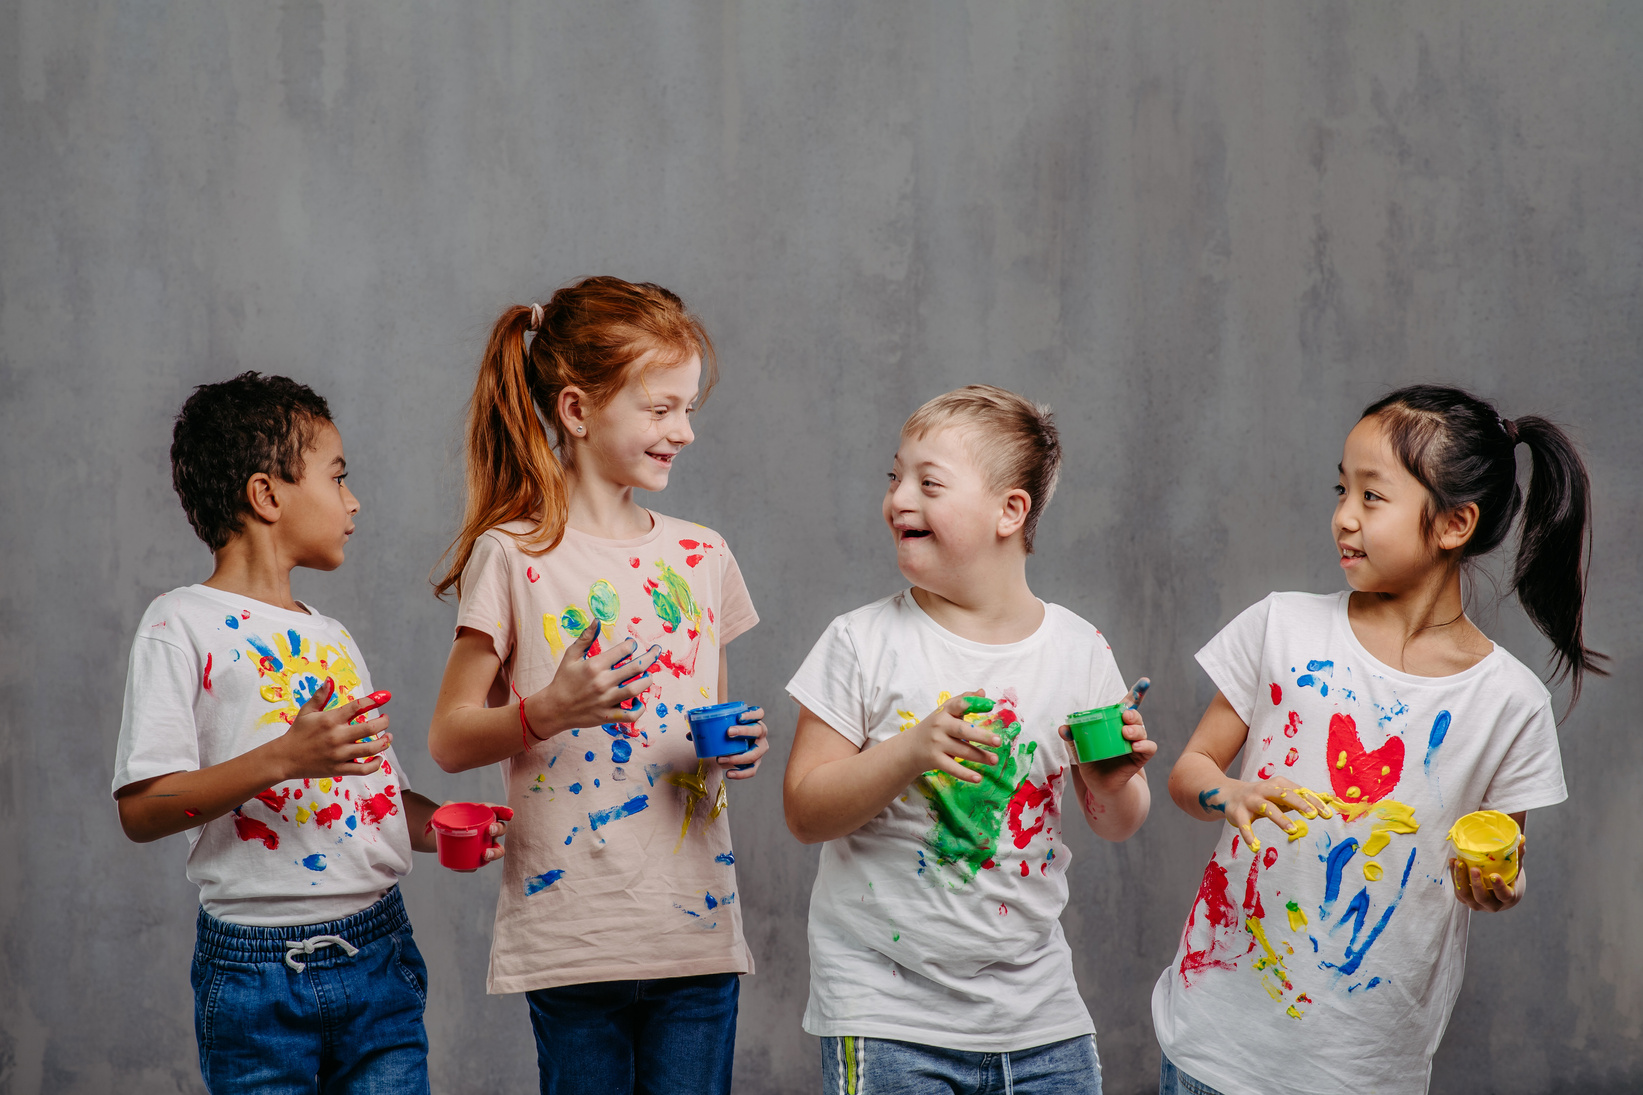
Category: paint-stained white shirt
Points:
column 214, row 675
column 1331, row 962
column 937, row 922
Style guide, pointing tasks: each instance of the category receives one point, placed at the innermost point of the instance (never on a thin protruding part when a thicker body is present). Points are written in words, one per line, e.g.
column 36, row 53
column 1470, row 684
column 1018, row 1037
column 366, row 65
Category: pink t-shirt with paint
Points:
column 619, row 862
column 938, row 921
column 1330, row 962
column 214, row 675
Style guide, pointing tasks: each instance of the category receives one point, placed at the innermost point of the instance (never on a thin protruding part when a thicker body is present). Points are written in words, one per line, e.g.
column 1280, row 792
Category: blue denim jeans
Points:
column 671, row 1036
column 315, row 1008
column 1172, row 1081
column 880, row 1066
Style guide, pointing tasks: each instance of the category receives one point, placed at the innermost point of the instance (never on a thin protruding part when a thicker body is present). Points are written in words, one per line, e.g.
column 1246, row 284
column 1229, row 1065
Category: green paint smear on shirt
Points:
column 970, row 816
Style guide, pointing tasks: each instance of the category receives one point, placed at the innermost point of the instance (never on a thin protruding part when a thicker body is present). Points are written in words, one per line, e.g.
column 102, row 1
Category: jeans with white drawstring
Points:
column 327, row 1007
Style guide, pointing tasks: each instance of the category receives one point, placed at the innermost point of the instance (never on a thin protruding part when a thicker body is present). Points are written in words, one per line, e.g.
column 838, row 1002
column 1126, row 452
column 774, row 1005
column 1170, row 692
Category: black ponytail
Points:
column 1461, row 451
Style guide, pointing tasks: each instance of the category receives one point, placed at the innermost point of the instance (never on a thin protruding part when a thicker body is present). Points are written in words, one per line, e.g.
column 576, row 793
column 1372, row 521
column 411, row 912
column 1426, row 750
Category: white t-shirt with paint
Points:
column 214, row 675
column 1331, row 962
column 937, row 922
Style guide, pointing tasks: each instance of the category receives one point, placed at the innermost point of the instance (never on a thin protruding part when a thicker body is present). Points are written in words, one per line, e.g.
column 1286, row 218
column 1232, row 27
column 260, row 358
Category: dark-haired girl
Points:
column 1324, row 951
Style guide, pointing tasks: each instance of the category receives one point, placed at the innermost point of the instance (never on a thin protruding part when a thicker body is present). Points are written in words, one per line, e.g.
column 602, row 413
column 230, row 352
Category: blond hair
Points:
column 1013, row 440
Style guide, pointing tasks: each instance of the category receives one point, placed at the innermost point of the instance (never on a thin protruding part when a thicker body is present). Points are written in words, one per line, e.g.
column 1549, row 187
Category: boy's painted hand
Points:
column 942, row 740
column 323, row 743
column 1107, row 777
column 746, row 765
column 1491, row 894
column 587, row 691
column 1245, row 803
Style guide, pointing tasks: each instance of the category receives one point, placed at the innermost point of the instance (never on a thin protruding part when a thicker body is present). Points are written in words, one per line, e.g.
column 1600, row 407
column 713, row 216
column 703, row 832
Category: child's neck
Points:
column 1422, row 630
column 990, row 604
column 602, row 508
column 251, row 565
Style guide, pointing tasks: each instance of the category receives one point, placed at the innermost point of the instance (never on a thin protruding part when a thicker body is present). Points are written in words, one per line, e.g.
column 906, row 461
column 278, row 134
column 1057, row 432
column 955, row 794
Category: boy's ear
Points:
column 1456, row 527
column 1017, row 504
column 263, row 497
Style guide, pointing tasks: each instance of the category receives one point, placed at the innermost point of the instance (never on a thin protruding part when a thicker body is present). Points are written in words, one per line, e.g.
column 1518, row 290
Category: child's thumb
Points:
column 968, row 704
column 322, row 696
column 585, row 640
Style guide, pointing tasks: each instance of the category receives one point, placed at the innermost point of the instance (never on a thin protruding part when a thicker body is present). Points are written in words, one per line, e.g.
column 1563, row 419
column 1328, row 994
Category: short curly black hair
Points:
column 228, row 432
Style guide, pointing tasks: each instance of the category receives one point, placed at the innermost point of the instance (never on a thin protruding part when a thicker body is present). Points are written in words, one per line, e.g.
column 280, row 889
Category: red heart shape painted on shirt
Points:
column 1356, row 774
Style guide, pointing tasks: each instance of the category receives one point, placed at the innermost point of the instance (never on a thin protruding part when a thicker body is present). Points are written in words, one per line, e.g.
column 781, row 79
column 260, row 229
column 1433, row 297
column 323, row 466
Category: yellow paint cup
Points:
column 1487, row 840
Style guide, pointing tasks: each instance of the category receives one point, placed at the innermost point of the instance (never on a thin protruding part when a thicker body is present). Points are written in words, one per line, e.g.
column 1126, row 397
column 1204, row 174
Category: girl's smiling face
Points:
column 939, row 506
column 632, row 439
column 1384, row 542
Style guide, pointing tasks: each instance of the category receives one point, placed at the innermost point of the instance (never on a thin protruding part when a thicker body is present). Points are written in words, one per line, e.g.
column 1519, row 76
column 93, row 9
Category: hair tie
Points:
column 1511, row 431
column 536, row 317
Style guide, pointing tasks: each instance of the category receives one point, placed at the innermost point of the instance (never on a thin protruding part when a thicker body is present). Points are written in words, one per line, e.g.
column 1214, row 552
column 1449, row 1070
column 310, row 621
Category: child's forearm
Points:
column 468, row 737
column 418, row 809
column 1199, row 786
column 155, row 808
column 837, row 798
column 1118, row 815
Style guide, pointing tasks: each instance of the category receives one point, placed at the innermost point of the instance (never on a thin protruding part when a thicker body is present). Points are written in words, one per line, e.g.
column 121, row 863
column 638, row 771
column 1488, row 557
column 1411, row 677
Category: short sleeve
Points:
column 736, row 612
column 1233, row 658
column 1531, row 774
column 830, row 683
column 486, row 601
column 1107, row 685
column 157, row 731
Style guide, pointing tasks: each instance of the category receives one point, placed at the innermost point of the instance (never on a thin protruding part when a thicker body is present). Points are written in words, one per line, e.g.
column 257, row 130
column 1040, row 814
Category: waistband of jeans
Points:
column 218, row 939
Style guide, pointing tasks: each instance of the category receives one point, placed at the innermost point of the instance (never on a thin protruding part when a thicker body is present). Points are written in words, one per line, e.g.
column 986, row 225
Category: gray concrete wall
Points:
column 1206, row 232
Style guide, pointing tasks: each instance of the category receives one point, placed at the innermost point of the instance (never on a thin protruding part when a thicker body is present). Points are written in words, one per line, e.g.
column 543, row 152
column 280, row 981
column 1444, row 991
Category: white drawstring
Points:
column 309, row 946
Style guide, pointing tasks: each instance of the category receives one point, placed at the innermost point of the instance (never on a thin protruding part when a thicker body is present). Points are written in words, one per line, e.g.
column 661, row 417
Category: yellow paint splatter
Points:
column 1293, row 1012
column 1353, row 792
column 550, row 632
column 325, row 786
column 704, row 693
column 694, row 784
column 285, row 668
column 1340, row 762
column 303, row 815
column 1372, row 871
column 1297, row 917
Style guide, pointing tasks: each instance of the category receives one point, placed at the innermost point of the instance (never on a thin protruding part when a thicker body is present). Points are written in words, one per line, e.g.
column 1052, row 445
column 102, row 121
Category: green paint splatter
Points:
column 574, row 620
column 602, row 600
column 977, row 705
column 679, row 590
column 970, row 816
column 666, row 610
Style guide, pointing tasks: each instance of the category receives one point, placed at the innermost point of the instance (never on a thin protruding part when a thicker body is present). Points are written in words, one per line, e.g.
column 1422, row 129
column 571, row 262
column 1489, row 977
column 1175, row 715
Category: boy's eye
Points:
column 1340, row 491
column 1371, row 496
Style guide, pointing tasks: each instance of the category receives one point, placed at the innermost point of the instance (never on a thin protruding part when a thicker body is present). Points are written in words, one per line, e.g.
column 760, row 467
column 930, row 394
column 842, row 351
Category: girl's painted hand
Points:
column 499, row 829
column 746, row 765
column 1491, row 894
column 586, row 691
column 322, row 743
column 1108, row 777
column 942, row 740
column 1245, row 803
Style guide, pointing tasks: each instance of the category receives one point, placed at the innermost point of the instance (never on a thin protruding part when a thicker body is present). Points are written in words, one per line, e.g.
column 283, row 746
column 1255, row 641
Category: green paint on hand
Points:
column 976, row 705
column 969, row 817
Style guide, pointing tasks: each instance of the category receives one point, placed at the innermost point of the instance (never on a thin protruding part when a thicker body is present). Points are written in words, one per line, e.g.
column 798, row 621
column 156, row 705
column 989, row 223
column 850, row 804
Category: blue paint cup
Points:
column 710, row 729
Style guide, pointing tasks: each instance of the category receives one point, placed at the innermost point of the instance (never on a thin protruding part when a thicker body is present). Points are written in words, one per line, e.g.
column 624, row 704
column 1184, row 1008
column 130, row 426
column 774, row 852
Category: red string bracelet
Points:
column 525, row 731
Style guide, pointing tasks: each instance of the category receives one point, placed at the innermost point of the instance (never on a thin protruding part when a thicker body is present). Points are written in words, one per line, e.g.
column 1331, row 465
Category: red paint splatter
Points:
column 296, row 794
column 328, row 814
column 1363, row 769
column 1219, row 930
column 531, row 575
column 1252, row 892
column 633, row 561
column 1294, row 725
column 692, row 544
column 1303, row 999
column 710, row 615
column 987, row 864
column 207, row 679
column 1031, row 796
column 387, row 770
column 1003, row 910
column 1266, row 742
column 1277, row 694
column 1270, row 856
column 1291, row 757
column 1235, row 846
column 375, row 808
column 191, row 813
column 274, row 800
column 389, row 790
column 246, row 615
column 692, row 560
column 251, row 829
column 1023, row 868
column 637, row 620
column 1265, row 772
column 678, row 670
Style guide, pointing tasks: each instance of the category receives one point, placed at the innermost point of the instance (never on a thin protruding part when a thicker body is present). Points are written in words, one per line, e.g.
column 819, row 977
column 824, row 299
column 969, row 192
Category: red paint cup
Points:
column 462, row 830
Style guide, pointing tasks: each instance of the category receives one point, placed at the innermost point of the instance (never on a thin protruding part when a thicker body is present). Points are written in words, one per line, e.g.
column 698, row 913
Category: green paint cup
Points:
column 1098, row 734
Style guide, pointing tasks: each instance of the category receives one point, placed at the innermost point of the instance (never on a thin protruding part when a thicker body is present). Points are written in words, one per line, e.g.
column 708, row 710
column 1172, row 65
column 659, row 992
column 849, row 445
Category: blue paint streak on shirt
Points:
column 599, row 818
column 712, row 902
column 1355, row 955
column 1326, row 668
column 726, row 858
column 1440, row 731
column 296, row 642
column 1338, row 857
column 576, row 788
column 588, row 755
column 352, row 821
column 233, row 622
column 621, row 751
column 614, row 729
column 1307, row 680
column 315, row 862
column 266, row 651
column 537, row 883
column 661, row 709
column 654, row 770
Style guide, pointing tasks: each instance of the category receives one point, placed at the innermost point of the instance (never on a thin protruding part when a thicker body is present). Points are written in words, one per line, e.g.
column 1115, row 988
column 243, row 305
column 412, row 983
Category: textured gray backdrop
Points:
column 1206, row 232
